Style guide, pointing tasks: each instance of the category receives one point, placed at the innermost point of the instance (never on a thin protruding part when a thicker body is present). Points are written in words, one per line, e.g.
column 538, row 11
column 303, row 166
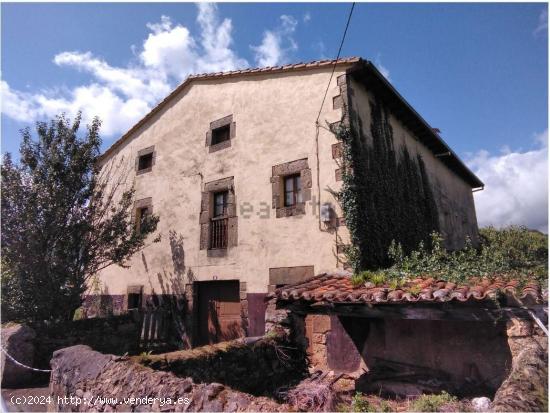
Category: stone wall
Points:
column 117, row 335
column 526, row 387
column 99, row 382
column 258, row 365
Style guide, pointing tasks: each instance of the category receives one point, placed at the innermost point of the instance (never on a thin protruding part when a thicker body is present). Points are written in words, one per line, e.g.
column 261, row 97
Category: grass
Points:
column 432, row 402
column 360, row 403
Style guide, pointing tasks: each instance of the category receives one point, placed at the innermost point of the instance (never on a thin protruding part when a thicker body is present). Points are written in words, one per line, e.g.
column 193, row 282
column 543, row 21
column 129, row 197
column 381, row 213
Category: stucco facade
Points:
column 271, row 116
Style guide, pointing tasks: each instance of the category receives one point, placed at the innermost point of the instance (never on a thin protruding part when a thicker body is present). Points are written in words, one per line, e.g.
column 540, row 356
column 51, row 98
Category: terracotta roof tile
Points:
column 338, row 288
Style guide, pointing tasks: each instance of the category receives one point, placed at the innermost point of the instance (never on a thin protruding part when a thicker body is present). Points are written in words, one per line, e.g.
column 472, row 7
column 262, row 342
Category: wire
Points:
column 21, row 364
column 335, row 61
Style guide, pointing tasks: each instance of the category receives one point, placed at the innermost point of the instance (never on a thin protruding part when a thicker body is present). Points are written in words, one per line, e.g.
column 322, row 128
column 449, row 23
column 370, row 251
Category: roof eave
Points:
column 437, row 144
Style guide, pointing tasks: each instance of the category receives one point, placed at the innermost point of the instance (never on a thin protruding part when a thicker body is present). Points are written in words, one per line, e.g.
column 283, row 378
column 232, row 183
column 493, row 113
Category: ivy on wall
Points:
column 386, row 194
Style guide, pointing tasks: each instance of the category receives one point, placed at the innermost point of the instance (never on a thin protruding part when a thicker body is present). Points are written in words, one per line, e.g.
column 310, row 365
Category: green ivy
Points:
column 386, row 194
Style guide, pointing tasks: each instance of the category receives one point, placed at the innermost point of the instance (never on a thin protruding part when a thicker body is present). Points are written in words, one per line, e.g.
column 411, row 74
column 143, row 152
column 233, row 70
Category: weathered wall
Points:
column 469, row 352
column 453, row 196
column 107, row 383
column 273, row 126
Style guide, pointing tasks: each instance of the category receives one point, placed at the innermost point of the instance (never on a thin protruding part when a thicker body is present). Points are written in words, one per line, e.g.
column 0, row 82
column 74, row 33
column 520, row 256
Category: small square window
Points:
column 293, row 190
column 145, row 162
column 220, row 134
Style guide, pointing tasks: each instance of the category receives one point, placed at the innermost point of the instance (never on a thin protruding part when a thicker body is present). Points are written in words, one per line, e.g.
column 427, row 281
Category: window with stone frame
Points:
column 218, row 217
column 291, row 188
column 145, row 160
column 218, row 223
column 143, row 210
column 220, row 134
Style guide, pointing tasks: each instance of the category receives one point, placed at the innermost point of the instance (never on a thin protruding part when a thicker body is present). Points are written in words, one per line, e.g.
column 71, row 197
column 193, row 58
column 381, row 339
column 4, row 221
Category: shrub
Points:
column 510, row 252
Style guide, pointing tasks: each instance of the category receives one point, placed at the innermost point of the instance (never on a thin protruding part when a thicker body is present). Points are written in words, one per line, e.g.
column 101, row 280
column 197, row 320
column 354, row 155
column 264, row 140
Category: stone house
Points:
column 242, row 176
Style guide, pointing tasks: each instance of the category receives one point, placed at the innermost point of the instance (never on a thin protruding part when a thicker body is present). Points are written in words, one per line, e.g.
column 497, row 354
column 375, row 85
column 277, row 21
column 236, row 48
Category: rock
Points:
column 18, row 341
column 526, row 387
column 80, row 370
column 481, row 404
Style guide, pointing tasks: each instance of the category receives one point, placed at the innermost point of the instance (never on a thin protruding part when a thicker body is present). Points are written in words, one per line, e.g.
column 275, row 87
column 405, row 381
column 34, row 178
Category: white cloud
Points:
column 139, row 83
column 278, row 44
column 169, row 50
column 543, row 22
column 120, row 96
column 307, row 17
column 216, row 41
column 385, row 72
column 516, row 186
column 115, row 112
column 321, row 49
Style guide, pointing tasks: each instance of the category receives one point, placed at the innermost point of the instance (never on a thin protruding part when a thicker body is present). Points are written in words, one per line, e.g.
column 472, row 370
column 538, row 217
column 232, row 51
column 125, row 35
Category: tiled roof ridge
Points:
column 290, row 66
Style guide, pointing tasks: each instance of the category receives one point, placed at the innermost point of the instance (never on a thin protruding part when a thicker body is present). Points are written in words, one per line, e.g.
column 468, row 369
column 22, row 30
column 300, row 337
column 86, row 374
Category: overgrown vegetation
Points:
column 63, row 220
column 432, row 402
column 510, row 252
column 389, row 191
column 381, row 198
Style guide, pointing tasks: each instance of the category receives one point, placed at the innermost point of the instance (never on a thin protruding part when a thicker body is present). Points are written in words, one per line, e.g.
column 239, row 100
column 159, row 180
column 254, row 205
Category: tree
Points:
column 63, row 220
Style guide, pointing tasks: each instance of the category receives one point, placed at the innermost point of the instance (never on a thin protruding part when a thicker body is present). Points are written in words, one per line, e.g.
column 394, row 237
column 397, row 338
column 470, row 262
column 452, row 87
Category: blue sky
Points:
column 478, row 72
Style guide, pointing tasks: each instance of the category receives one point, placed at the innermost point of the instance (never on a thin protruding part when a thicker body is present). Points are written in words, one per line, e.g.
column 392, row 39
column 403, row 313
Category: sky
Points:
column 478, row 72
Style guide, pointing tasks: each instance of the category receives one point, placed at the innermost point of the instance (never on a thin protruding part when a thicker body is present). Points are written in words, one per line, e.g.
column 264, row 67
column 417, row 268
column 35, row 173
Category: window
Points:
column 141, row 214
column 134, row 301
column 145, row 162
column 220, row 204
column 290, row 188
column 221, row 134
column 218, row 226
column 218, row 217
column 293, row 190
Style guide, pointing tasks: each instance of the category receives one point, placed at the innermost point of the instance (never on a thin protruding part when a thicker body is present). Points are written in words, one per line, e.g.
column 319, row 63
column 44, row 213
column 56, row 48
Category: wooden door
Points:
column 219, row 314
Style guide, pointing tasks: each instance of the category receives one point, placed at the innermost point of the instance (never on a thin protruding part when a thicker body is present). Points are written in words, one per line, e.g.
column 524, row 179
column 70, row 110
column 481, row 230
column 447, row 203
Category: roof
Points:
column 338, row 289
column 358, row 67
